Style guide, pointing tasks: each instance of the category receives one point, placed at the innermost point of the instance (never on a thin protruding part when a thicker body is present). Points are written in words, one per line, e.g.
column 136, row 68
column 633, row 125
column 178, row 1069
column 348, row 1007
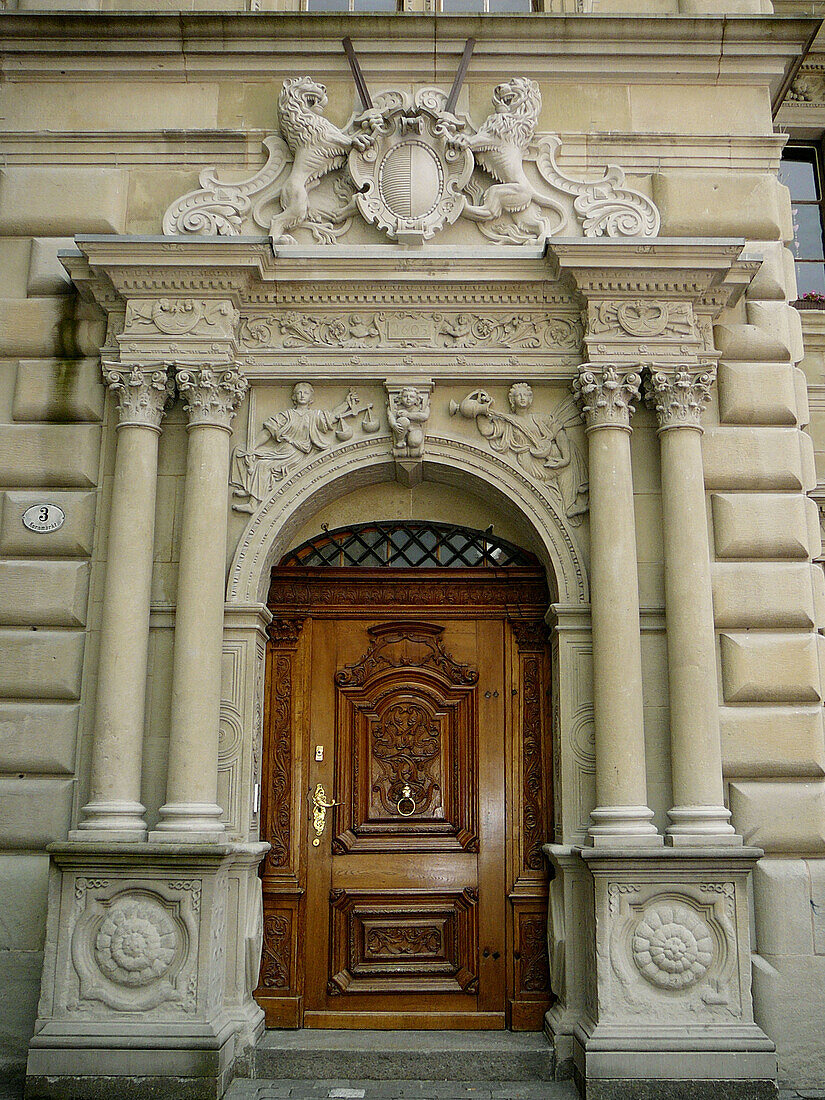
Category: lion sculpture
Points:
column 317, row 145
column 500, row 146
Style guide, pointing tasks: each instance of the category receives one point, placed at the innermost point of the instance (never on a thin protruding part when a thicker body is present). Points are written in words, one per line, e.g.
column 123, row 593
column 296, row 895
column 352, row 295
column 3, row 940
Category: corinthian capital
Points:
column 679, row 396
column 211, row 394
column 142, row 393
column 606, row 395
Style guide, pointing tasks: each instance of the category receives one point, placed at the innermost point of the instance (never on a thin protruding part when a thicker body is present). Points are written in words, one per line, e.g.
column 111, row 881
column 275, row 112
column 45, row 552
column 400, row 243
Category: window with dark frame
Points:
column 801, row 172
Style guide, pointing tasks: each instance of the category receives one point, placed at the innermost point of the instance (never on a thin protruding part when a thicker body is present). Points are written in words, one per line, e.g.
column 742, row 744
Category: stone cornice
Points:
column 721, row 49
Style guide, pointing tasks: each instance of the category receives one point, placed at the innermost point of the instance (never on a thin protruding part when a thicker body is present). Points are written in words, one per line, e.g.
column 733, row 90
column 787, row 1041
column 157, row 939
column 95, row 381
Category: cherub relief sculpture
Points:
column 410, row 167
column 408, row 411
column 540, row 443
column 289, row 435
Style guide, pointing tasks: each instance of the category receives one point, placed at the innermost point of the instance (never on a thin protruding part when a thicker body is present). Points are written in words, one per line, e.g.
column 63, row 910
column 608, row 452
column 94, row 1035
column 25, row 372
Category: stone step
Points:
column 259, row 1089
column 404, row 1055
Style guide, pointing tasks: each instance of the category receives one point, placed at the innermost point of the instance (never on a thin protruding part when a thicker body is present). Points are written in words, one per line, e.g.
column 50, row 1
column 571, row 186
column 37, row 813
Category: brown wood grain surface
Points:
column 424, row 903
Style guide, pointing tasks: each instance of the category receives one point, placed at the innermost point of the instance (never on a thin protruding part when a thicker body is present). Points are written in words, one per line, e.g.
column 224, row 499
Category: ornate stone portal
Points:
column 341, row 381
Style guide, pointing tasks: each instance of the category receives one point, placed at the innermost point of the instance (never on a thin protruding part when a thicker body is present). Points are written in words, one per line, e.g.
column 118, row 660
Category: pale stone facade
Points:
column 225, row 357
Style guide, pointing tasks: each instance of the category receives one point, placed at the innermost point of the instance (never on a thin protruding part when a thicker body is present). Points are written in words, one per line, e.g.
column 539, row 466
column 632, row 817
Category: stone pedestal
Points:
column 662, row 953
column 144, row 991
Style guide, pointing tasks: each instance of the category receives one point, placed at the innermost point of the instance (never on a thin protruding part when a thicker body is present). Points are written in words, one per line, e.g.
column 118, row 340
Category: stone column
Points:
column 212, row 395
column 699, row 815
column 606, row 394
column 114, row 807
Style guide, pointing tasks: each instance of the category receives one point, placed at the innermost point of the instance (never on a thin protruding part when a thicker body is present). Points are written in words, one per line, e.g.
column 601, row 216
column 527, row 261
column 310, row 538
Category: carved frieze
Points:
column 539, row 443
column 290, row 436
column 405, row 328
column 180, row 317
column 411, row 167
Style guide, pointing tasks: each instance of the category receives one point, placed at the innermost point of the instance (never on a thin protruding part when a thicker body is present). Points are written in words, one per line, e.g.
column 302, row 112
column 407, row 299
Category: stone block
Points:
column 712, row 204
column 41, row 664
column 15, row 255
column 20, row 981
column 789, row 1003
column 47, row 275
column 816, row 873
column 35, row 328
column 59, row 455
column 803, row 408
column 782, row 817
column 24, row 882
column 772, row 742
column 34, row 812
column 763, row 595
column 770, row 668
column 753, row 458
column 38, row 738
column 762, row 525
column 781, row 898
column 756, row 393
column 769, row 283
column 749, row 343
column 807, row 461
column 58, row 390
column 74, row 539
column 61, row 202
column 780, row 319
column 44, row 593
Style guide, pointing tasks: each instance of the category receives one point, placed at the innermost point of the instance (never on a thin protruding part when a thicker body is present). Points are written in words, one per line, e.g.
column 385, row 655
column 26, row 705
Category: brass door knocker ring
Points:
column 406, row 803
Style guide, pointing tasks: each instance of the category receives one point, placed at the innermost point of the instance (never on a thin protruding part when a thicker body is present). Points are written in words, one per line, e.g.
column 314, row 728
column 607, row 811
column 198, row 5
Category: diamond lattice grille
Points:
column 414, row 544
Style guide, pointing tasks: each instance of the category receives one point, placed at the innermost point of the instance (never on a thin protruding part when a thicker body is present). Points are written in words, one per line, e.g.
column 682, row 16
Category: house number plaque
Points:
column 43, row 518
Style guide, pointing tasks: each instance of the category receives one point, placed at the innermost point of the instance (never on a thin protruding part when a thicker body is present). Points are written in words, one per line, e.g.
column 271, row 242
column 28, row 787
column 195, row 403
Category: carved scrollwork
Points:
column 211, row 394
column 679, row 397
column 143, row 393
column 393, row 645
column 606, row 395
column 416, row 168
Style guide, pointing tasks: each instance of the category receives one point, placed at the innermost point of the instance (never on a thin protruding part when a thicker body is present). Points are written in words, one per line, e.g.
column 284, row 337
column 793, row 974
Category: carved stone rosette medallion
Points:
column 211, row 394
column 142, row 393
column 679, row 397
column 412, row 175
column 606, row 395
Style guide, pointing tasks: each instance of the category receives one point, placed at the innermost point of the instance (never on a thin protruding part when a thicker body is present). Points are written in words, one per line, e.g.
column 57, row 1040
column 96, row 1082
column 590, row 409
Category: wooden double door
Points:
column 406, row 796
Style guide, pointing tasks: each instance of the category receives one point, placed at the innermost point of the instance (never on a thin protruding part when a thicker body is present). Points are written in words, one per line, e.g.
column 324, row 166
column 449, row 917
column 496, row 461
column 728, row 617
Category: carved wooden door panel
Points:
column 424, row 902
column 405, row 889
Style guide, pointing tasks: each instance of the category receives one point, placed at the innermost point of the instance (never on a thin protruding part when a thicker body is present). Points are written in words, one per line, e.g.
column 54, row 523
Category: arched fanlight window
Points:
column 413, row 544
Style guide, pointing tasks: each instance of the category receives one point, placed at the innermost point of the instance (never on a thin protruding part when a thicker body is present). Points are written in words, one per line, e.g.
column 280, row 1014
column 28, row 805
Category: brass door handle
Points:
column 319, row 812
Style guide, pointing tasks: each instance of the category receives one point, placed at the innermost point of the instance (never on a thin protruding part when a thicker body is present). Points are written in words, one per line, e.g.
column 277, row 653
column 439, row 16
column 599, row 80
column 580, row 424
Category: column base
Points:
column 113, row 820
column 190, row 823
column 694, row 826
column 153, row 952
column 626, row 1064
column 615, row 826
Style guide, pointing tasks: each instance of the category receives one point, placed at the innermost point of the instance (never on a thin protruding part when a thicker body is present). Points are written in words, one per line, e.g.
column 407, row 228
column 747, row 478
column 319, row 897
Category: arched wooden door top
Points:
column 390, row 688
